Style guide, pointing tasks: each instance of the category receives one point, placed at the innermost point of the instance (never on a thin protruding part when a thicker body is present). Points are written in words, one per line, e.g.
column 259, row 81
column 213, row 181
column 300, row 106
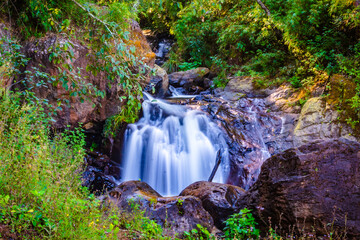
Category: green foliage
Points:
column 302, row 42
column 222, row 68
column 40, row 188
column 41, row 175
column 137, row 220
column 241, row 226
column 104, row 29
column 200, row 233
column 159, row 15
column 350, row 65
column 187, row 66
column 40, row 182
column 172, row 64
column 295, row 82
column 307, row 34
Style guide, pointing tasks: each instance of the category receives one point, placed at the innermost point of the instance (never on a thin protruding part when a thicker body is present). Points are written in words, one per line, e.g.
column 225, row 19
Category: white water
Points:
column 178, row 95
column 171, row 147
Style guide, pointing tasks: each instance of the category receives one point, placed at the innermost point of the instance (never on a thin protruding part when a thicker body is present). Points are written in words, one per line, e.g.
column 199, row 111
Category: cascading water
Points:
column 171, row 147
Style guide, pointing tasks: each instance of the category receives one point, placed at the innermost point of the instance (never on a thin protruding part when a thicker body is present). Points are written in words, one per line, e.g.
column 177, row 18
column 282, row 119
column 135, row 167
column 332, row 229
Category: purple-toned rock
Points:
column 310, row 187
column 220, row 200
column 178, row 214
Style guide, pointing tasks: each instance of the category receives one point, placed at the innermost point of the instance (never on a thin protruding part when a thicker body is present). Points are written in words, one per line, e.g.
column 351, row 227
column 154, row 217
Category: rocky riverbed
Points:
column 297, row 166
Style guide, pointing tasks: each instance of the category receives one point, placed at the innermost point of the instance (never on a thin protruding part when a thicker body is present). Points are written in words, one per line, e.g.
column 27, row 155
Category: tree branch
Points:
column 94, row 17
column 262, row 5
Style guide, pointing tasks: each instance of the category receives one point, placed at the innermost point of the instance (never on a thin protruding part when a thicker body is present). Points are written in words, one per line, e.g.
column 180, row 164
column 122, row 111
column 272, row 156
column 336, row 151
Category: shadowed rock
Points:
column 309, row 187
column 176, row 214
column 220, row 200
column 189, row 79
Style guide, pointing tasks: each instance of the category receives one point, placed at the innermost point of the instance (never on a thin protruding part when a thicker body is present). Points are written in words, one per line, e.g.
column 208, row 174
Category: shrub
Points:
column 241, row 226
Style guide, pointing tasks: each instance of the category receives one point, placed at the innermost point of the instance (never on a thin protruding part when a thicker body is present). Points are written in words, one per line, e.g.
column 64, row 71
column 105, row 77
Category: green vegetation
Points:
column 41, row 196
column 200, row 233
column 303, row 42
column 102, row 26
column 40, row 188
column 241, row 226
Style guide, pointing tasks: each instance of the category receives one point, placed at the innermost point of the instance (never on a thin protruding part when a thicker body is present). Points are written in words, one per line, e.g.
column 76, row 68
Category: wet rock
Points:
column 220, row 200
column 307, row 188
column 159, row 82
column 319, row 121
column 208, row 83
column 253, row 133
column 188, row 79
column 176, row 214
column 161, row 44
column 97, row 181
column 100, row 173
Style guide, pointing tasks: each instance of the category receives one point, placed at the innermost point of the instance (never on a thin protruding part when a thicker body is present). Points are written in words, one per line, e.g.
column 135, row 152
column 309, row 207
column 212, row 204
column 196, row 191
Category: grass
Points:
column 41, row 196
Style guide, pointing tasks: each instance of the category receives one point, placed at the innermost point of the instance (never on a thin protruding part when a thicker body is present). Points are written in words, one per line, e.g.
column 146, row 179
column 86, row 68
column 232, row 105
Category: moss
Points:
column 340, row 90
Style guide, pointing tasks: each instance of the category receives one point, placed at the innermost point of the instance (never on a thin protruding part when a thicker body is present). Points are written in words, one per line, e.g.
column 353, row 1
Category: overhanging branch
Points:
column 93, row 16
column 262, row 5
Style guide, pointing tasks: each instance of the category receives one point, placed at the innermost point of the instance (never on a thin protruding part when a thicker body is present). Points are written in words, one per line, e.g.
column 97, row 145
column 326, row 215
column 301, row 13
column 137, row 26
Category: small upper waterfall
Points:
column 171, row 147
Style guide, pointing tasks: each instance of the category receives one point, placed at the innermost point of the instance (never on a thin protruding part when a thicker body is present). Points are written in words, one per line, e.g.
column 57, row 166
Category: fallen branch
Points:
column 217, row 163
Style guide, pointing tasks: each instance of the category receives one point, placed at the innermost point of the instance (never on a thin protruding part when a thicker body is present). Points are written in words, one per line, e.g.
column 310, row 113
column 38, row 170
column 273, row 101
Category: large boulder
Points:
column 318, row 120
column 189, row 79
column 220, row 200
column 38, row 52
column 242, row 86
column 159, row 82
column 252, row 132
column 176, row 214
column 310, row 188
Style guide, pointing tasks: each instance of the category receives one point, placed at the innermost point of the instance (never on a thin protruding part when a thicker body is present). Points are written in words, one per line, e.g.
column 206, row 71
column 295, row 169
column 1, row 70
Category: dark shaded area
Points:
column 309, row 188
column 220, row 200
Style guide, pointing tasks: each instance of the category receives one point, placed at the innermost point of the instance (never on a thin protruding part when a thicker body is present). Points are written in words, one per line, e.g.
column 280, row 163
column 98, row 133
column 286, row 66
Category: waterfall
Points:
column 171, row 147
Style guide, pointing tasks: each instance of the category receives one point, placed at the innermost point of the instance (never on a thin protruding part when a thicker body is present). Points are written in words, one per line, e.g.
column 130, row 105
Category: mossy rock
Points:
column 340, row 90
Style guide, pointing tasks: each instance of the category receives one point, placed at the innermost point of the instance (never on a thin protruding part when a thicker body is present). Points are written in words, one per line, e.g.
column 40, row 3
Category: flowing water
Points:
column 162, row 51
column 171, row 147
